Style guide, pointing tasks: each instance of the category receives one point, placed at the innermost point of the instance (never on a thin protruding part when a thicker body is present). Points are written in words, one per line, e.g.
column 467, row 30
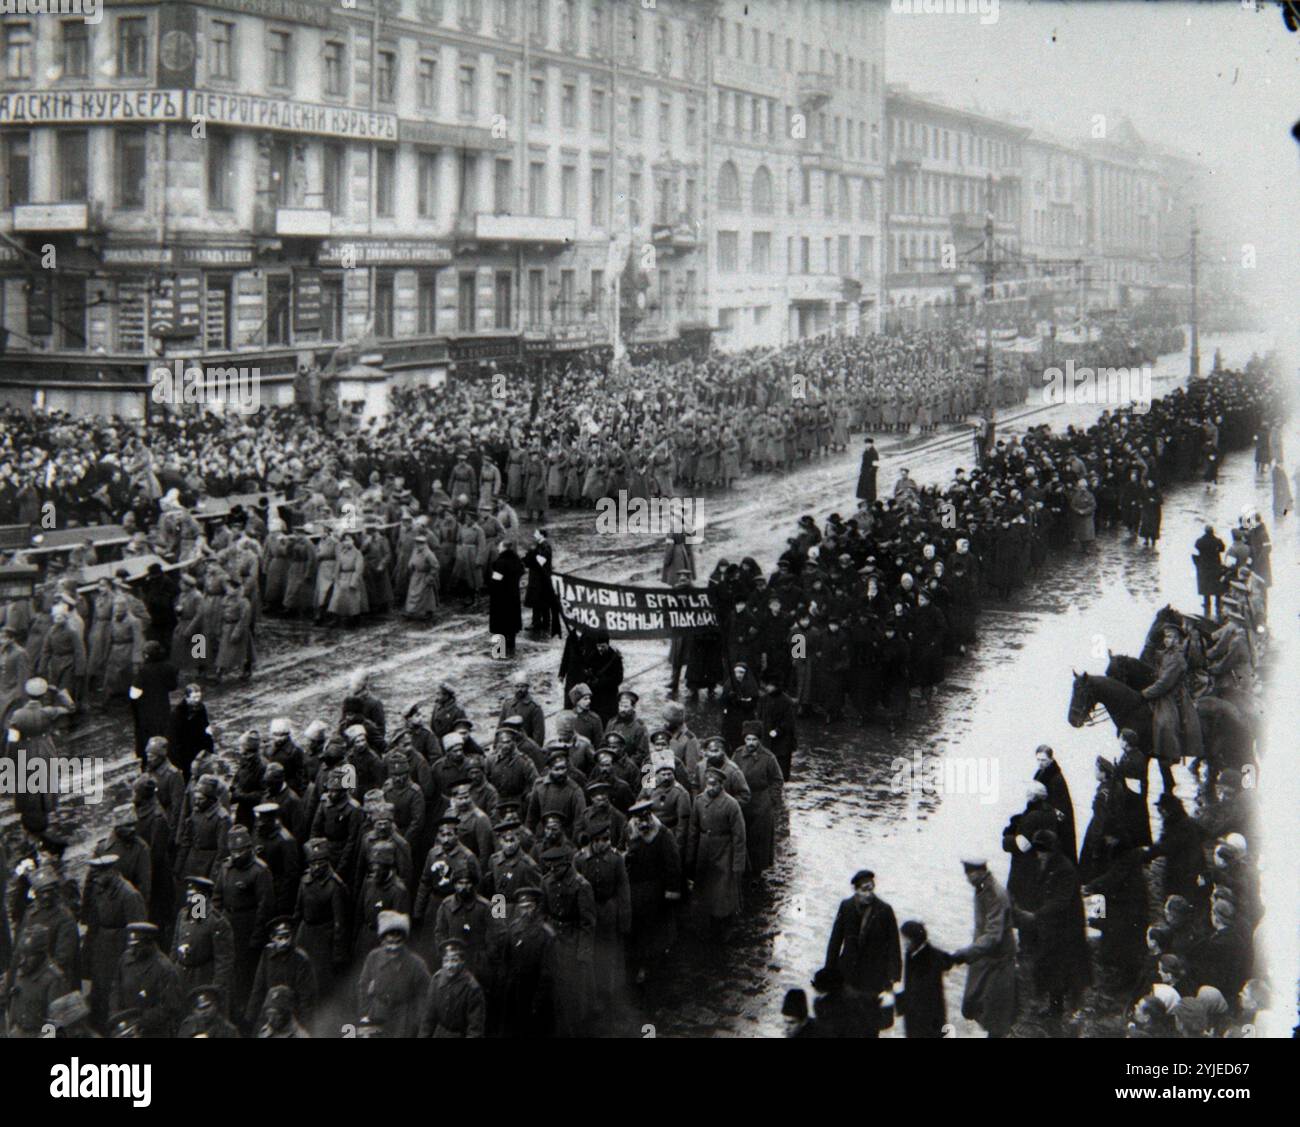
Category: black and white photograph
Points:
column 648, row 520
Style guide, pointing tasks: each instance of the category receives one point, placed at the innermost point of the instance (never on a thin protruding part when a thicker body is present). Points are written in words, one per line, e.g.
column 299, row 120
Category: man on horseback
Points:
column 1175, row 725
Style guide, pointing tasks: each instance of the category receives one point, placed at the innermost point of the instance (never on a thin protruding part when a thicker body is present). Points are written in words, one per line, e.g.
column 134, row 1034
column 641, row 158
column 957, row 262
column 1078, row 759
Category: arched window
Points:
column 728, row 187
column 763, row 191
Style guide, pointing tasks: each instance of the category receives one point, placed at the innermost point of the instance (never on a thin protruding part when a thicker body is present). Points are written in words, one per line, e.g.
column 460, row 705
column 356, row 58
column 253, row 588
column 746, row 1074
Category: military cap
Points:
column 103, row 861
column 557, row 751
column 67, row 1009
column 558, row 815
column 600, row 829
column 453, row 943
column 393, row 921
column 510, row 822
column 598, row 788
column 556, row 853
column 862, row 875
column 464, row 723
column 280, row 726
column 208, row 784
column 203, row 884
column 262, row 809
column 637, row 809
column 124, row 1023
column 143, row 927
column 715, row 773
column 716, row 741
column 384, row 852
column 447, row 820
column 155, row 743
column 278, row 922
column 212, row 990
column 355, row 731
column 528, row 892
column 275, row 769
column 238, row 837
column 318, row 849
column 612, row 738
column 662, row 759
column 660, row 735
column 144, row 788
column 579, row 691
column 751, row 728
column 36, row 686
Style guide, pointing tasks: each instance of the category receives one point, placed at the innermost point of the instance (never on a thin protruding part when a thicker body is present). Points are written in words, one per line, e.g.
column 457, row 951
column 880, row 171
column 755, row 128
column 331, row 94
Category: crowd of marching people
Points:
column 361, row 877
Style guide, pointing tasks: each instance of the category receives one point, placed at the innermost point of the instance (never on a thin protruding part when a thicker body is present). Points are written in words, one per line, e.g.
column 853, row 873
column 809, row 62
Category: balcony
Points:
column 814, row 287
column 908, row 156
column 302, row 221
column 815, row 88
column 820, row 154
column 680, row 236
column 543, row 230
column 51, row 217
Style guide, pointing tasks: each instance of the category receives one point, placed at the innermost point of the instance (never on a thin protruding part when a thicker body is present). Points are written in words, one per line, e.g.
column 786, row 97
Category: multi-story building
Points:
column 1124, row 217
column 795, row 159
column 657, row 245
column 947, row 167
column 1053, row 222
column 259, row 182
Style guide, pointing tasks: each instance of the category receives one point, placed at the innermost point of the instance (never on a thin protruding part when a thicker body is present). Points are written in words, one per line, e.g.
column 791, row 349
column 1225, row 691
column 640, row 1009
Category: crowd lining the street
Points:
column 409, row 881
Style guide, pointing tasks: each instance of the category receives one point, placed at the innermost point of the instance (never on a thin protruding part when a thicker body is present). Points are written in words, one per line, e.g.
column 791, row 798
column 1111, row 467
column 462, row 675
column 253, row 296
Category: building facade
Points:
column 947, row 167
column 1054, row 223
column 796, row 168
column 1124, row 218
column 427, row 184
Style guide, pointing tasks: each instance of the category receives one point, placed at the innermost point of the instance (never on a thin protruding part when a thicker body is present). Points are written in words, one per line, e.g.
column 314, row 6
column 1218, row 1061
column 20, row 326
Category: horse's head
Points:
column 1081, row 701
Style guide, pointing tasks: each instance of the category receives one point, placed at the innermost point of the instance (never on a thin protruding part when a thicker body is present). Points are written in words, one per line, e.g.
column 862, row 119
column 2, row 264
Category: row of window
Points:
column 924, row 253
column 755, row 117
column 132, row 45
column 673, row 201
column 835, row 190
column 836, row 254
column 848, row 72
column 932, row 194
column 945, row 144
column 1061, row 227
column 127, row 304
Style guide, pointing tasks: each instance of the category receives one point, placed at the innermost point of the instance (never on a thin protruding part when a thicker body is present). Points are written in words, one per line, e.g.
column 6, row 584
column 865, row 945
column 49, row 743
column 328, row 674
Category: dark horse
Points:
column 1125, row 706
column 1227, row 733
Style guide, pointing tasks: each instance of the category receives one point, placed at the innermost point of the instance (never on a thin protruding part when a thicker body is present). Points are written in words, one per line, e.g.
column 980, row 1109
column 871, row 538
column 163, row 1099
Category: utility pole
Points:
column 990, row 406
column 1195, row 369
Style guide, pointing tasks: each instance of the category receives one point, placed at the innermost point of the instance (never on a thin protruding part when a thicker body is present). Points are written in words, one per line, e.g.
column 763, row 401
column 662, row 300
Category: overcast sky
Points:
column 1214, row 80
